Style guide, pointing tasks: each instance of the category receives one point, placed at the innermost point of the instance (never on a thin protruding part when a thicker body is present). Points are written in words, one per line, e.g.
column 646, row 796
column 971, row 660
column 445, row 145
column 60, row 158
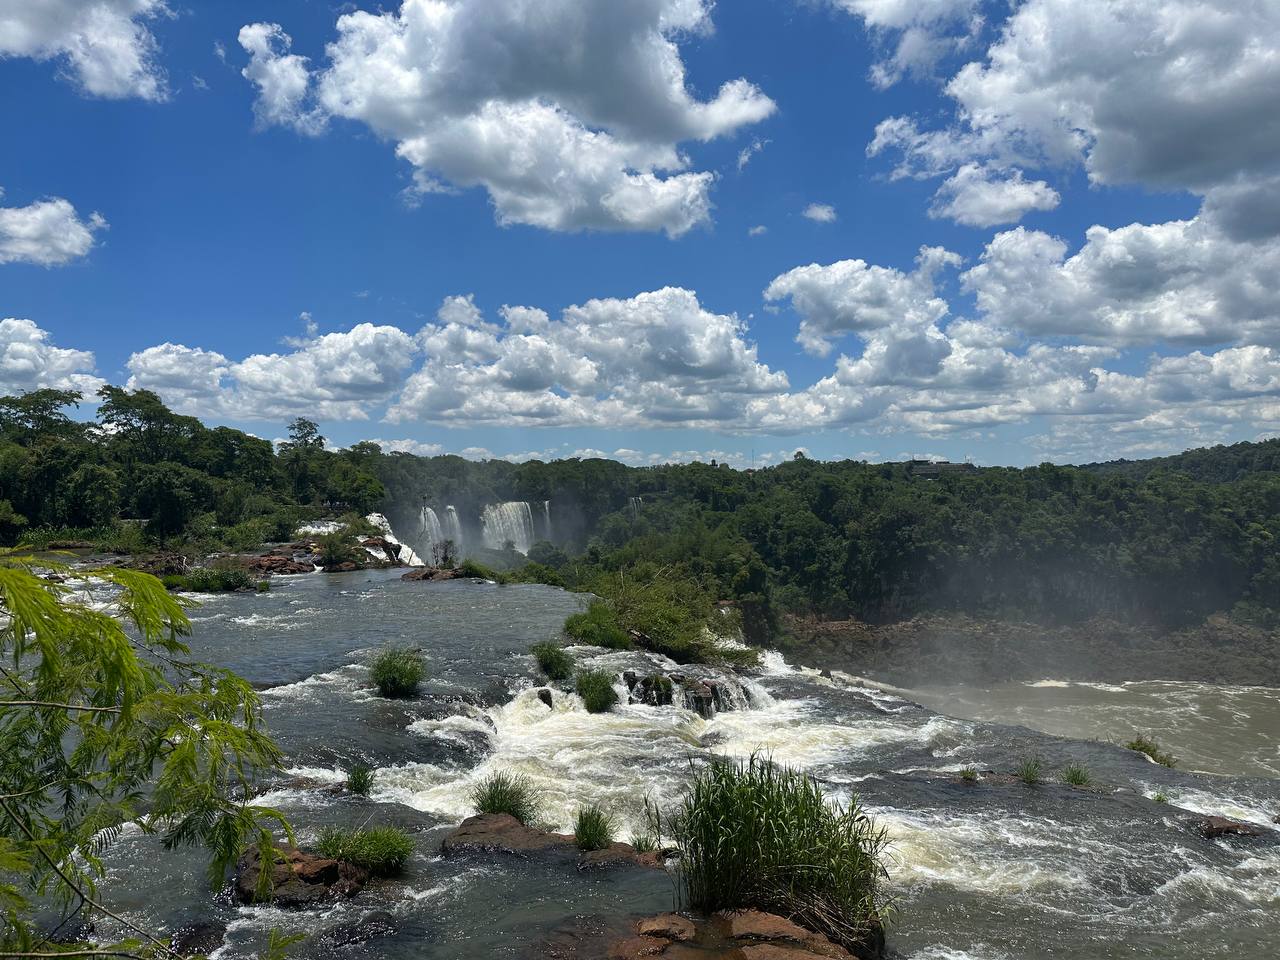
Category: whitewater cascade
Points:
column 430, row 534
column 511, row 521
column 407, row 553
column 546, row 513
column 453, row 528
column 636, row 503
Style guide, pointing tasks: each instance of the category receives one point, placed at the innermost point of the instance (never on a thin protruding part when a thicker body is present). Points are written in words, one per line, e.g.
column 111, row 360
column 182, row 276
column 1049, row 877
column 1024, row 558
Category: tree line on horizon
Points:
column 1169, row 540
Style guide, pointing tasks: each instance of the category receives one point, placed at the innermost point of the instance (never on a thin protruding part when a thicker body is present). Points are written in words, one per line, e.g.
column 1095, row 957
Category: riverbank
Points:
column 961, row 649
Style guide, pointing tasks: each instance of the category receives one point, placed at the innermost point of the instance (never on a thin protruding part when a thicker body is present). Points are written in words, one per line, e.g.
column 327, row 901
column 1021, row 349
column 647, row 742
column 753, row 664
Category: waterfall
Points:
column 504, row 522
column 546, row 513
column 429, row 534
column 636, row 503
column 453, row 528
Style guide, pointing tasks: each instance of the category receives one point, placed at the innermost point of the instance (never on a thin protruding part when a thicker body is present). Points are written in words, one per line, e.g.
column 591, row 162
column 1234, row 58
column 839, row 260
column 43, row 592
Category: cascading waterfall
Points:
column 508, row 522
column 453, row 528
column 430, row 534
column 546, row 513
column 636, row 503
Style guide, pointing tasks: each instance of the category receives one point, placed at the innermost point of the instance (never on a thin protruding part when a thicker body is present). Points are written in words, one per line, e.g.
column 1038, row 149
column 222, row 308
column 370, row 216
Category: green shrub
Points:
column 1161, row 797
column 1077, row 775
column 595, row 687
column 214, row 580
column 553, row 661
column 360, row 780
column 671, row 615
column 397, row 671
column 382, row 851
column 598, row 626
column 478, row 571
column 337, row 548
column 536, row 573
column 758, row 835
column 644, row 842
column 509, row 793
column 1030, row 771
column 1144, row 744
column 593, row 829
column 969, row 775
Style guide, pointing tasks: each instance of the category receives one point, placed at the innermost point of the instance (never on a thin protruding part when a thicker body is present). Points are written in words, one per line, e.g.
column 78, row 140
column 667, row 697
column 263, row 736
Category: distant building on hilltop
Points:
column 932, row 469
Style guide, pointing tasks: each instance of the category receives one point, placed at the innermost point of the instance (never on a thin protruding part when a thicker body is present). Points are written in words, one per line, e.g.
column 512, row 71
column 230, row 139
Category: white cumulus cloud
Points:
column 30, row 361
column 569, row 113
column 104, row 45
column 979, row 196
column 47, row 232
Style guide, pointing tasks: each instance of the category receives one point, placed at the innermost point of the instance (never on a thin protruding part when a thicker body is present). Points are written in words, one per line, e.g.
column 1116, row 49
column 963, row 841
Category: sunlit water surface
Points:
column 997, row 870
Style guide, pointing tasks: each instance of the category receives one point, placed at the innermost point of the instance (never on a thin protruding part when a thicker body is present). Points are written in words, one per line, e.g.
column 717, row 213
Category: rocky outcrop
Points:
column 382, row 549
column 1213, row 827
column 432, row 573
column 545, row 696
column 371, row 926
column 299, row 879
column 503, row 833
column 655, row 689
column 199, row 938
column 274, row 563
column 737, row 935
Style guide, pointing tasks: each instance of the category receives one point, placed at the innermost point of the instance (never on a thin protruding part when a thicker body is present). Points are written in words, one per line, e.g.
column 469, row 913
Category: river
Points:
column 995, row 870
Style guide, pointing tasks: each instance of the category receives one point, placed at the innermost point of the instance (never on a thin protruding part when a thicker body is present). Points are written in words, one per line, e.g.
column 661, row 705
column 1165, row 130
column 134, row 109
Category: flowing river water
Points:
column 994, row 870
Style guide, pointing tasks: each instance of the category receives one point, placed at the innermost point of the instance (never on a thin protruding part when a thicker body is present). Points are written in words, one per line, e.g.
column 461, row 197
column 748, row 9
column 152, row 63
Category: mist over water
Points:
column 997, row 870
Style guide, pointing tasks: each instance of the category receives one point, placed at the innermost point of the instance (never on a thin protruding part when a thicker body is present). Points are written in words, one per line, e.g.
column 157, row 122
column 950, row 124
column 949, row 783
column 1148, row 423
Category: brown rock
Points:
column 430, row 573
column 618, row 855
column 772, row 951
column 502, row 833
column 668, row 926
column 634, row 947
column 1211, row 827
column 757, row 926
column 299, row 879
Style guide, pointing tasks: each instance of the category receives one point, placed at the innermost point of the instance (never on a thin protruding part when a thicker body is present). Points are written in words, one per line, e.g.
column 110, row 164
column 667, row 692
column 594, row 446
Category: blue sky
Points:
column 1103, row 225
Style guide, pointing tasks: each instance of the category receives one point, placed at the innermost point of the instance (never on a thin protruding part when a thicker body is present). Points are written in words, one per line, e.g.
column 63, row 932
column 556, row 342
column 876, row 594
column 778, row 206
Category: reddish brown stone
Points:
column 668, row 926
column 1221, row 827
column 635, row 947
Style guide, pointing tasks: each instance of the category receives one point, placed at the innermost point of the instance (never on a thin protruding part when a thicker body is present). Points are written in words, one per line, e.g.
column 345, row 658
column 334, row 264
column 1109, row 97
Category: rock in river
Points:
column 299, row 879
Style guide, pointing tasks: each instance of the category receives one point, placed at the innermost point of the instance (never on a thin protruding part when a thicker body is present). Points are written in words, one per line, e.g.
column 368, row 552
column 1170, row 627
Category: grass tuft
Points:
column 1030, row 771
column 507, row 793
column 593, row 829
column 1077, row 775
column 969, row 775
column 360, row 780
column 397, row 671
column 1161, row 797
column 595, row 687
column 1144, row 744
column 598, row 626
column 757, row 835
column 553, row 661
column 382, row 851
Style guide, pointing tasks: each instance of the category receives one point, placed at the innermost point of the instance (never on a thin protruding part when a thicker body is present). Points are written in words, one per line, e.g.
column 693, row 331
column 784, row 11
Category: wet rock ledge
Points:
column 503, row 833
column 737, row 935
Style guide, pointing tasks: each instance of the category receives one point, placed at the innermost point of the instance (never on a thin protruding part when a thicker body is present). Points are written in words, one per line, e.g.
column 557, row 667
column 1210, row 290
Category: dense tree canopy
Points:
column 1170, row 540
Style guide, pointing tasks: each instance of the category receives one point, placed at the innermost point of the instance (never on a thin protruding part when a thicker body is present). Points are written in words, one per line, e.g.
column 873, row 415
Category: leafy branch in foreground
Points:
column 105, row 721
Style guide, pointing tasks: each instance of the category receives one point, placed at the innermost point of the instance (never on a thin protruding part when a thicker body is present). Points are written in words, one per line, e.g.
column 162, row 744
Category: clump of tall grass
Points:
column 757, row 835
column 1030, row 771
column 360, row 780
column 382, row 851
column 593, row 829
column 397, row 672
column 1077, row 775
column 598, row 626
column 1144, row 744
column 969, row 774
column 214, row 580
column 553, row 661
column 508, row 793
column 595, row 687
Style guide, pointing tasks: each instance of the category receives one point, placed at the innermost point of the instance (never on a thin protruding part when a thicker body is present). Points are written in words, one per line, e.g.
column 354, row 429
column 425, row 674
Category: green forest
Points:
column 1165, row 541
